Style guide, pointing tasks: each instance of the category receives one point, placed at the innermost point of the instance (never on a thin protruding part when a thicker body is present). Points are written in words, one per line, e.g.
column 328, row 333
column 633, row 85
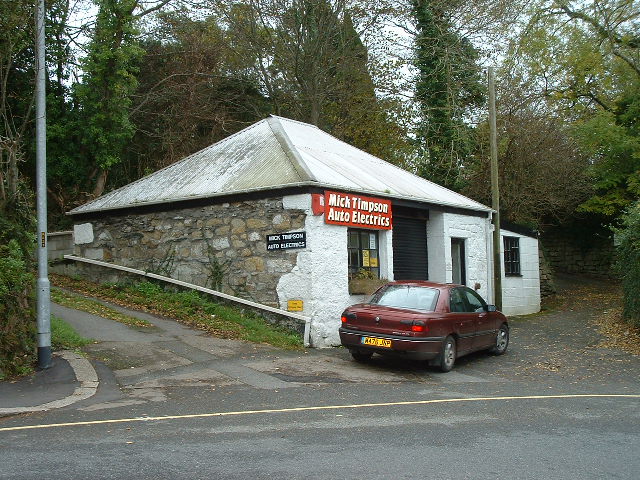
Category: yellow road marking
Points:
column 317, row 408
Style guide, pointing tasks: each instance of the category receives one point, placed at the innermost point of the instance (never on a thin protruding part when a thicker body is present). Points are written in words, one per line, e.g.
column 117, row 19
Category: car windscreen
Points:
column 406, row 296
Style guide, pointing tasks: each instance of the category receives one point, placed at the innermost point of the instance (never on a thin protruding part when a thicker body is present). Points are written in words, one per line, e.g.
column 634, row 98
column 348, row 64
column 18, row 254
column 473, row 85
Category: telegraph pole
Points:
column 43, row 287
column 495, row 193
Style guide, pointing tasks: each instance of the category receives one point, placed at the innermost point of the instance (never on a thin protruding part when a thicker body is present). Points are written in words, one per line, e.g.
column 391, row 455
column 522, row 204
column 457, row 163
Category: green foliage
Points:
column 354, row 113
column 108, row 83
column 613, row 141
column 217, row 269
column 96, row 308
column 191, row 308
column 165, row 265
column 147, row 288
column 17, row 326
column 192, row 91
column 313, row 66
column 448, row 86
column 17, row 316
column 581, row 59
column 64, row 337
column 628, row 253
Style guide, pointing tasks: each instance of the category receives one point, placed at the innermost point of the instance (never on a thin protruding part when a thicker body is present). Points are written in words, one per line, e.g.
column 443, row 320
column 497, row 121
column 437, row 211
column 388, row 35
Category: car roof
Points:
column 424, row 283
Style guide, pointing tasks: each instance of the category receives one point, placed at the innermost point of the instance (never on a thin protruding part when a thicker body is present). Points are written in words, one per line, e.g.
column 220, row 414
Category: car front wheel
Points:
column 448, row 354
column 502, row 340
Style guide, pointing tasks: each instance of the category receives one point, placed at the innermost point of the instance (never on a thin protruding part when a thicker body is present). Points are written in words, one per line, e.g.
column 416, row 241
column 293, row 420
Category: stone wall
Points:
column 594, row 259
column 59, row 244
column 218, row 246
column 547, row 280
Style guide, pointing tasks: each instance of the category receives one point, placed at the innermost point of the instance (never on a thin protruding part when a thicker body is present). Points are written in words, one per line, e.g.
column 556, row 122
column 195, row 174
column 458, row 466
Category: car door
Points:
column 464, row 320
column 484, row 329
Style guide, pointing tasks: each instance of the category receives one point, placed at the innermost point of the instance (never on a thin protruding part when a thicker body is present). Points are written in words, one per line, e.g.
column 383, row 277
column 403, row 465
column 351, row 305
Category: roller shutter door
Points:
column 409, row 249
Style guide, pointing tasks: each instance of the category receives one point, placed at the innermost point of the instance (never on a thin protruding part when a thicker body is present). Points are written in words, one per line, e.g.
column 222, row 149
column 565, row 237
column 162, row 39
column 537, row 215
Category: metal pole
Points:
column 495, row 194
column 44, row 293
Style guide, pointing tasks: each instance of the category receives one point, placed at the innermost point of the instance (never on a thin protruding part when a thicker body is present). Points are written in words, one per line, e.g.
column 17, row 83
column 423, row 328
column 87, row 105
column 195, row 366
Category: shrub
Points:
column 17, row 311
column 17, row 326
column 628, row 263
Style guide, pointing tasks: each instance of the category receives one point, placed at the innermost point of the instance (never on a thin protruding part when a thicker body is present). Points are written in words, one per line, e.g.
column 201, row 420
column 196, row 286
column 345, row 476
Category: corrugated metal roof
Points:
column 275, row 153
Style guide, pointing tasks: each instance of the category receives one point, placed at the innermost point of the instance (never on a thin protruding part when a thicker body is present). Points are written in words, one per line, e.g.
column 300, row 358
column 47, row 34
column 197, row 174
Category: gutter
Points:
column 231, row 298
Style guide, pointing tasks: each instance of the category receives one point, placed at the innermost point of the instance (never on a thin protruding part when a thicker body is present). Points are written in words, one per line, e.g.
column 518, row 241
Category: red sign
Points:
column 357, row 211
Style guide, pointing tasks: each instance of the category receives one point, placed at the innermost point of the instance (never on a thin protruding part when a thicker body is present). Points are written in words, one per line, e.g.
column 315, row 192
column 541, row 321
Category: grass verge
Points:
column 88, row 305
column 187, row 307
column 64, row 337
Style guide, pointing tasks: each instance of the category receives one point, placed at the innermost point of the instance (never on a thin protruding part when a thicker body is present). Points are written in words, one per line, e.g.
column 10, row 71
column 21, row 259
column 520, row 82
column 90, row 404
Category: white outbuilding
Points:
column 285, row 215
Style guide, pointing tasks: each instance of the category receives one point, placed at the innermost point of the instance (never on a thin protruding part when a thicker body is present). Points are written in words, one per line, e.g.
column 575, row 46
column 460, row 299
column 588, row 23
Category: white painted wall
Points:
column 321, row 277
column 521, row 294
column 441, row 228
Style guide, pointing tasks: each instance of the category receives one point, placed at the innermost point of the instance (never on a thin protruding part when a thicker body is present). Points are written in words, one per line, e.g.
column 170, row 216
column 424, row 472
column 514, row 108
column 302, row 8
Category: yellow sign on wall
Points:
column 295, row 305
column 365, row 258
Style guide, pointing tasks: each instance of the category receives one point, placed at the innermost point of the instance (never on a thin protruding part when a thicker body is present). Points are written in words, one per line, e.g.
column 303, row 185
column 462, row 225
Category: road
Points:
column 558, row 405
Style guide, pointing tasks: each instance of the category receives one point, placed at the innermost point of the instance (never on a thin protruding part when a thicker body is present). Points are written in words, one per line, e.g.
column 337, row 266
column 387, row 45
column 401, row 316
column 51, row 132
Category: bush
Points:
column 17, row 302
column 17, row 325
column 628, row 263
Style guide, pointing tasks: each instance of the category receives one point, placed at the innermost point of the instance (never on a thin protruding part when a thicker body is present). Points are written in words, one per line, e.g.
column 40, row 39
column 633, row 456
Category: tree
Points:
column 191, row 93
column 16, row 91
column 108, row 83
column 312, row 65
column 354, row 113
column 583, row 58
column 542, row 170
column 17, row 336
column 448, row 87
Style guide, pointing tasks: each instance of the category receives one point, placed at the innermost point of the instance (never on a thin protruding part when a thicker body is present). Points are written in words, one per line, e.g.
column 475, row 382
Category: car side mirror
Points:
column 491, row 308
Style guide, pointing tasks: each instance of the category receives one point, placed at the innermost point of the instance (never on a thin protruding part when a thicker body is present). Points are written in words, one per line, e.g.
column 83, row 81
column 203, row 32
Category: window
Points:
column 405, row 296
column 466, row 300
column 363, row 253
column 456, row 301
column 475, row 301
column 511, row 256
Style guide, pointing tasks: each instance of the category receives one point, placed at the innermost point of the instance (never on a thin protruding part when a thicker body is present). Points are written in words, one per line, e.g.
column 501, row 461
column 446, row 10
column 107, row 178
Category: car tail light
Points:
column 418, row 327
column 346, row 316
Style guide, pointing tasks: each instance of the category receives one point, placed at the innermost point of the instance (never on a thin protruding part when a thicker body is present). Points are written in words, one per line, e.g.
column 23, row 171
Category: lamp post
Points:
column 43, row 287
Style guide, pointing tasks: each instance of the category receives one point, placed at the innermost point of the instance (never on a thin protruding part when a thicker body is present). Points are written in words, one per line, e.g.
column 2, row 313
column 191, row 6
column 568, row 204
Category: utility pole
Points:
column 43, row 287
column 495, row 193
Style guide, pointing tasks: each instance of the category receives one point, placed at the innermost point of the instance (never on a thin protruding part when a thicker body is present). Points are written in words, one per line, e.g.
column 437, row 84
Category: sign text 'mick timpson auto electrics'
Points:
column 357, row 211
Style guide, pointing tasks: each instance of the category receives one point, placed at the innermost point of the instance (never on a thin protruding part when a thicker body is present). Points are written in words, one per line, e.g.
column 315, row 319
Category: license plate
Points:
column 376, row 342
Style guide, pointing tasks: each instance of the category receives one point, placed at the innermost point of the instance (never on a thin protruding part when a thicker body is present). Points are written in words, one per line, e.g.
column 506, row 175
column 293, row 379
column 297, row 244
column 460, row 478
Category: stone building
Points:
column 285, row 215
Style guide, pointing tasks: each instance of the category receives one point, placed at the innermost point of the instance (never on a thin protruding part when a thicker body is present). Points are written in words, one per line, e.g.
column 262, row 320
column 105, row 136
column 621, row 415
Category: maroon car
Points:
column 426, row 321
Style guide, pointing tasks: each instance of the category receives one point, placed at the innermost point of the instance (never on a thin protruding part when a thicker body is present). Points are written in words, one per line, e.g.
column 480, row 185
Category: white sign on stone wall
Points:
column 82, row 233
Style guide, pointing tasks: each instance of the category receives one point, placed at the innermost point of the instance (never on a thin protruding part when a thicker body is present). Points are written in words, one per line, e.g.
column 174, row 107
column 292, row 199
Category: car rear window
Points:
column 407, row 296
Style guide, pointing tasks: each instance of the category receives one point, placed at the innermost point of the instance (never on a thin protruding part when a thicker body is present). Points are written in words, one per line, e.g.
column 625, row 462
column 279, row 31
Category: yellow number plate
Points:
column 376, row 342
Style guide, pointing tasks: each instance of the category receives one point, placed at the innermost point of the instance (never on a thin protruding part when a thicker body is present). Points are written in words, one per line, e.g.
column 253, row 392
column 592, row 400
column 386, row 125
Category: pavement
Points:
column 136, row 366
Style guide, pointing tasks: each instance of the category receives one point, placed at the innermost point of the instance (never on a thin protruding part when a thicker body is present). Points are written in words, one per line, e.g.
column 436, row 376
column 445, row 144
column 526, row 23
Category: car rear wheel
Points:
column 447, row 355
column 360, row 356
column 502, row 340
